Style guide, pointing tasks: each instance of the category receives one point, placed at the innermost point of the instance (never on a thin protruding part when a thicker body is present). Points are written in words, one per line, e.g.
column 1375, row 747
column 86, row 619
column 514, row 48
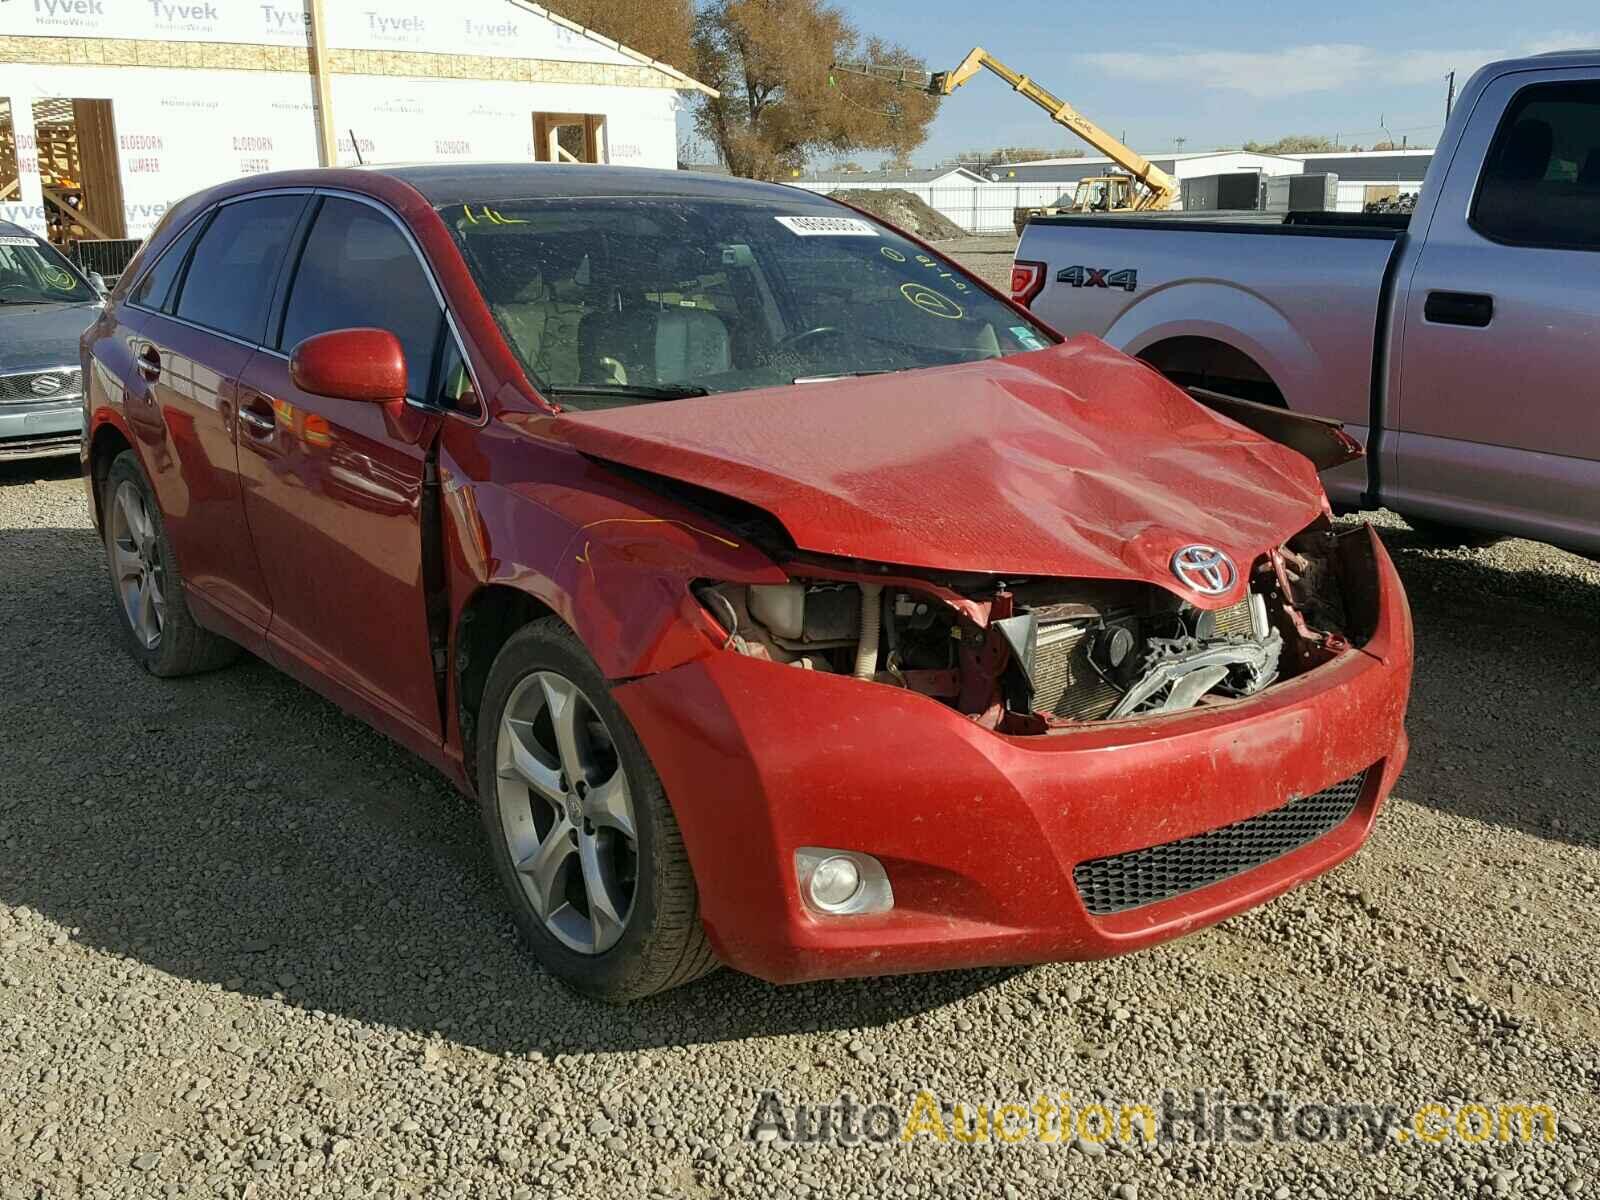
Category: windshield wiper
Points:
column 631, row 391
column 829, row 378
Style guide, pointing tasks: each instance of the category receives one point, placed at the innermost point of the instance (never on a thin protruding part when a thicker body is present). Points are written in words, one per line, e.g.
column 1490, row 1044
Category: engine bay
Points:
column 1026, row 656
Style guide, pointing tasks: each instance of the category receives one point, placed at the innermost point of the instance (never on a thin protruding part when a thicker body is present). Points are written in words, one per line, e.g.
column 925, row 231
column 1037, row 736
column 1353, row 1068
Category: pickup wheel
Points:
column 580, row 831
column 158, row 629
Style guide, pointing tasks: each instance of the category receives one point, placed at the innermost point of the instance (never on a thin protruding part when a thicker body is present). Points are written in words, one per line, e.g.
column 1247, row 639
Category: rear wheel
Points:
column 580, row 831
column 157, row 626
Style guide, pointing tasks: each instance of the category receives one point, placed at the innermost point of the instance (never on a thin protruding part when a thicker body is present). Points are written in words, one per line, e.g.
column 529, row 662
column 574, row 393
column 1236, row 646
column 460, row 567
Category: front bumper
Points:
column 980, row 832
column 40, row 430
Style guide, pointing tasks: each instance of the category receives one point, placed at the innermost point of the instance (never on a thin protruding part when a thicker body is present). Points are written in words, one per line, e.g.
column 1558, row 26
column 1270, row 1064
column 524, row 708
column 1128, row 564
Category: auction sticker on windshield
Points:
column 827, row 226
column 13, row 240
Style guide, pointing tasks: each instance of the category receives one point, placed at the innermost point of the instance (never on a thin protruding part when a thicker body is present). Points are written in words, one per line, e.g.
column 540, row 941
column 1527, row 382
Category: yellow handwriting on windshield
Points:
column 490, row 215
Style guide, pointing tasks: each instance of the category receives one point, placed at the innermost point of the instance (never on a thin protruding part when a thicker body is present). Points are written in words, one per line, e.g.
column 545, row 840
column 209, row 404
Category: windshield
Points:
column 664, row 297
column 33, row 274
column 1093, row 195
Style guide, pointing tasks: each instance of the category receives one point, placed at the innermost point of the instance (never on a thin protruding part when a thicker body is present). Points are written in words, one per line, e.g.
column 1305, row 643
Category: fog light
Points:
column 842, row 882
column 835, row 882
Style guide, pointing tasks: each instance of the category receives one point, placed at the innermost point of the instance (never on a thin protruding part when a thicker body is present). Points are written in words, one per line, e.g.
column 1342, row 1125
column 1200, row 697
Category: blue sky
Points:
column 1213, row 73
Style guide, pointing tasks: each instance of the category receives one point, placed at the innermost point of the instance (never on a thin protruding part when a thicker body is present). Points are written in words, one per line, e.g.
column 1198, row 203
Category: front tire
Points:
column 158, row 629
column 580, row 831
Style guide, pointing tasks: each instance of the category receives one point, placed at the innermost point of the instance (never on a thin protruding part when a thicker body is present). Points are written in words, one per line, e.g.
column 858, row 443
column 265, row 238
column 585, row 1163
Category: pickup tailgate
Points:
column 1302, row 301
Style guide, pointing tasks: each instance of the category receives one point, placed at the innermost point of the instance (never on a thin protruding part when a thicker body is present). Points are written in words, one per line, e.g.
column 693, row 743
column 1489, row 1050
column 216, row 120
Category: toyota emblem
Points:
column 45, row 385
column 1205, row 569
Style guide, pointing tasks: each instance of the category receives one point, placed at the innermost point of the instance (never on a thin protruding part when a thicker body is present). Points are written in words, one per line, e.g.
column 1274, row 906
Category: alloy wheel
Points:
column 567, row 812
column 136, row 565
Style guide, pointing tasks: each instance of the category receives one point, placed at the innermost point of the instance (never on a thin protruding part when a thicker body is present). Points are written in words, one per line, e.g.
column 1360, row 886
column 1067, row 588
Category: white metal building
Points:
column 148, row 102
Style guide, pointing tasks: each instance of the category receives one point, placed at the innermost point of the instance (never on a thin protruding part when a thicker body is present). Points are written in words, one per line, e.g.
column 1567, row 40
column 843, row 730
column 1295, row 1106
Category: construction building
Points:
column 110, row 110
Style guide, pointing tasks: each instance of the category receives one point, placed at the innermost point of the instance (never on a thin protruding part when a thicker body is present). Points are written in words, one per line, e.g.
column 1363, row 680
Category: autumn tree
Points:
column 662, row 29
column 780, row 105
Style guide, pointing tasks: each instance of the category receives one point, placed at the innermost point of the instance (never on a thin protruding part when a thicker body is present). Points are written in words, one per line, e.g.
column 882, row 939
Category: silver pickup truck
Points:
column 1461, row 346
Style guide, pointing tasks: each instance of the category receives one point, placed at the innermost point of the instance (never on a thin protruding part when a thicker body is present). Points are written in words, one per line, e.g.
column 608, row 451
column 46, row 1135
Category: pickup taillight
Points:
column 1027, row 281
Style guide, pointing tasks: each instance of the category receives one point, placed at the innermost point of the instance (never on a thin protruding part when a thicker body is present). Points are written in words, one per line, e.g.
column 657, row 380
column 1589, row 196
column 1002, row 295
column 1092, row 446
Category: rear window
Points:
column 722, row 295
column 235, row 267
column 1541, row 182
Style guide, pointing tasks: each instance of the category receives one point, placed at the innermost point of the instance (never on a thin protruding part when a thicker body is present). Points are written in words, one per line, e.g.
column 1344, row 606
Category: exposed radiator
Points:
column 1234, row 621
column 1065, row 683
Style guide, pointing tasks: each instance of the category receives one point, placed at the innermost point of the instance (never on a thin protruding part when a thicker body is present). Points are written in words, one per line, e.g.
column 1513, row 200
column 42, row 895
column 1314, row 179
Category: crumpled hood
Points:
column 36, row 336
column 1075, row 461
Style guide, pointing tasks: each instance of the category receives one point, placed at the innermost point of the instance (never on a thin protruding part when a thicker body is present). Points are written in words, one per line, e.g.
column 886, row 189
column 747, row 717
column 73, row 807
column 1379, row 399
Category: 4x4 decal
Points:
column 1103, row 277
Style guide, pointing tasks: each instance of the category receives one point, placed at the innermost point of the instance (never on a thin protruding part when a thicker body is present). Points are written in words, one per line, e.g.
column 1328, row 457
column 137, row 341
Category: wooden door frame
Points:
column 547, row 127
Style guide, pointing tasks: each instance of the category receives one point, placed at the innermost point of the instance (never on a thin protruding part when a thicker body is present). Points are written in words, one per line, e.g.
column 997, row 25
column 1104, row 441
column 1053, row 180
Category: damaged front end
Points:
column 1027, row 656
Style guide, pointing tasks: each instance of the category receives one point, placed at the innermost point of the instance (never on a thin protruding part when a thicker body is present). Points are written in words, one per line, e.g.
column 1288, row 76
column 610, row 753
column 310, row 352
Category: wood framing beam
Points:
column 76, row 216
column 322, row 77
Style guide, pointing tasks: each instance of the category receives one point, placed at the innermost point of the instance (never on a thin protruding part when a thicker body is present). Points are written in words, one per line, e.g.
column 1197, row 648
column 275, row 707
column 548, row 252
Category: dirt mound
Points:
column 905, row 209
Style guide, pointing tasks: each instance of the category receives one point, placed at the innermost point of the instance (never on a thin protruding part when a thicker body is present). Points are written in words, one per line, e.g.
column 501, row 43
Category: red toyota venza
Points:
column 788, row 598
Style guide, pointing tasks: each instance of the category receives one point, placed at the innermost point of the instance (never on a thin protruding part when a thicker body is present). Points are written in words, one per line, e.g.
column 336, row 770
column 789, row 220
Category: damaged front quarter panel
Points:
column 617, row 563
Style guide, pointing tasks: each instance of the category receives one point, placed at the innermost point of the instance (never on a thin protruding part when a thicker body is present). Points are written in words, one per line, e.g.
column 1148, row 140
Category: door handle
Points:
column 1459, row 308
column 149, row 361
column 257, row 414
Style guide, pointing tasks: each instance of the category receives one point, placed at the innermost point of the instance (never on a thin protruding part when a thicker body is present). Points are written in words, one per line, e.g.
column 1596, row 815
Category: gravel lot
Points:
column 249, row 948
column 987, row 257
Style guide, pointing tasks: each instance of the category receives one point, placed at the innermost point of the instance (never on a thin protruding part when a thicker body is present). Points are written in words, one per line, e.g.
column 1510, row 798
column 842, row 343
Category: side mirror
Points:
column 98, row 282
column 351, row 364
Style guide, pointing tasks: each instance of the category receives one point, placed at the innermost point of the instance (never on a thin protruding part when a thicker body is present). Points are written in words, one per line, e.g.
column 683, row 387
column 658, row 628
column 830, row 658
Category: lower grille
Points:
column 35, row 387
column 1140, row 877
column 43, row 446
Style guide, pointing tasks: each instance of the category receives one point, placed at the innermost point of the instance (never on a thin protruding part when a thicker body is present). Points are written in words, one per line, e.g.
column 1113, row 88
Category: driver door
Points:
column 333, row 495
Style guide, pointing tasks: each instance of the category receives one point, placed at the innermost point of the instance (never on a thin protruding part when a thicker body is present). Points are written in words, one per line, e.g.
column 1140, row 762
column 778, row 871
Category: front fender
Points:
column 613, row 562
